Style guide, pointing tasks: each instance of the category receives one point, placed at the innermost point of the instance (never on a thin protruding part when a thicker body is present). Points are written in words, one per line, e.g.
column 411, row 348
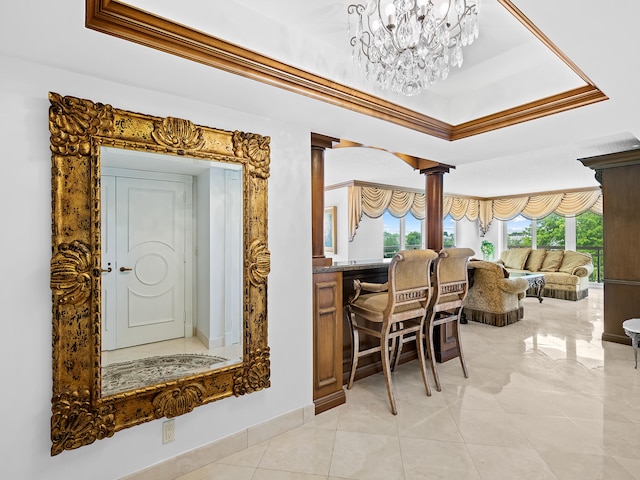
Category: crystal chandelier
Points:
column 407, row 45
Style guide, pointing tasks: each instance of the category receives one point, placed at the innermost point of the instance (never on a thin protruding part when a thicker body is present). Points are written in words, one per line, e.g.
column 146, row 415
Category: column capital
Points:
column 322, row 141
column 440, row 169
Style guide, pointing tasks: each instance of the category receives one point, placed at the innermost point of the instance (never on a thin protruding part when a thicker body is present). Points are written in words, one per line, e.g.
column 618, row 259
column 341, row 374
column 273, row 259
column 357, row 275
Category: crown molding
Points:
column 129, row 23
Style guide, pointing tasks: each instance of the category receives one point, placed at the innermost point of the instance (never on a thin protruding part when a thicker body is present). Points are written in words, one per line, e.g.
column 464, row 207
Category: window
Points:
column 583, row 233
column 589, row 239
column 413, row 232
column 550, row 232
column 401, row 234
column 448, row 232
column 391, row 243
column 519, row 232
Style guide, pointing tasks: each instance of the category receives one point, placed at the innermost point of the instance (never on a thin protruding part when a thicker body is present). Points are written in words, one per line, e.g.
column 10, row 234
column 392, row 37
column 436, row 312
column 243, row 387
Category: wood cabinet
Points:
column 327, row 341
column 619, row 175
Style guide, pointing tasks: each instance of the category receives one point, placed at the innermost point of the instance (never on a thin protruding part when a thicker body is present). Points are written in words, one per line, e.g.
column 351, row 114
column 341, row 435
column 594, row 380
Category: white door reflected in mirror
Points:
column 172, row 267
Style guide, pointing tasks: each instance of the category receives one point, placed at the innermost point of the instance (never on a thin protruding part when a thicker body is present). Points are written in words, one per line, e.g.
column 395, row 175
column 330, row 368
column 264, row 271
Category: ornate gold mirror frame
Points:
column 78, row 127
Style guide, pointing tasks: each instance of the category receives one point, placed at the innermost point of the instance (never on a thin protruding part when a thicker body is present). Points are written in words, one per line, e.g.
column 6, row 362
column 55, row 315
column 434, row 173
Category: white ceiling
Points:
column 505, row 68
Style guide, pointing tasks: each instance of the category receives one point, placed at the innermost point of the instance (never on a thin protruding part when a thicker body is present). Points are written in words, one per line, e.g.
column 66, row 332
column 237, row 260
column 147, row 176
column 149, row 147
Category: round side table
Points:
column 632, row 329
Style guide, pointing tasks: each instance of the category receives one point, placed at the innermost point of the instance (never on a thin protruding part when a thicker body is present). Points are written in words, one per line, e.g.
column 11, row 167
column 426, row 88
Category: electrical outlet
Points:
column 168, row 431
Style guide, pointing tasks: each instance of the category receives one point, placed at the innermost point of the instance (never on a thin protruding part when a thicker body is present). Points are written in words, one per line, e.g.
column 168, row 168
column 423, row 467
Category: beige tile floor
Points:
column 546, row 399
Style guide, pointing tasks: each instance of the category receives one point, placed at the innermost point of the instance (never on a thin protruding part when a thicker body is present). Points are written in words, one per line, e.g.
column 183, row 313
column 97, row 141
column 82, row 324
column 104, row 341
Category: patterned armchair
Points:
column 494, row 298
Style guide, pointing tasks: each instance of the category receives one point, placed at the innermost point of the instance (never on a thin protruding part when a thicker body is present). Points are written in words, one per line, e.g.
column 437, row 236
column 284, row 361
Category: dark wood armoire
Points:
column 619, row 175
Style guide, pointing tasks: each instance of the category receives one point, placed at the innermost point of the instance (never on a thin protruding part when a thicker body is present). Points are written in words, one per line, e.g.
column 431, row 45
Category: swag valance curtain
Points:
column 372, row 201
column 532, row 207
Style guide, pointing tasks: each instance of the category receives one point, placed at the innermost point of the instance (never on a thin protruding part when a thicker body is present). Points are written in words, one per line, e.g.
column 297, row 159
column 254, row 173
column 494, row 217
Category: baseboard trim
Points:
column 330, row 401
column 616, row 338
column 214, row 451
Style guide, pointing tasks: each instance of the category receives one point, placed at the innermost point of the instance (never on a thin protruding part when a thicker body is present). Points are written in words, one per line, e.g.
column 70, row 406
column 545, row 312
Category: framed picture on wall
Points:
column 330, row 230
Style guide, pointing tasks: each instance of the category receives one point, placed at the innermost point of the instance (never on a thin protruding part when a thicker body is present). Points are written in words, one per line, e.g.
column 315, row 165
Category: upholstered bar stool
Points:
column 392, row 310
column 450, row 286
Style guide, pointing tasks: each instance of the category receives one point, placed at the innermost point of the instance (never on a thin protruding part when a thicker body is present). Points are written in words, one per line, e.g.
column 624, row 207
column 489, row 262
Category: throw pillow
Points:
column 534, row 260
column 552, row 261
column 572, row 259
column 517, row 258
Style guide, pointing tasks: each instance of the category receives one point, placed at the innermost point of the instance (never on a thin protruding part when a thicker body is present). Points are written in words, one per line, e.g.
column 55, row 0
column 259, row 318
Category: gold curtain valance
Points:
column 373, row 201
column 533, row 207
column 459, row 208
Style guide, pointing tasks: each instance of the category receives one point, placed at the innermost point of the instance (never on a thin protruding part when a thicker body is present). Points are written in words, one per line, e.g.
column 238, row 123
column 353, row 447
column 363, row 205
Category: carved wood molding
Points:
column 129, row 23
column 79, row 127
column 76, row 422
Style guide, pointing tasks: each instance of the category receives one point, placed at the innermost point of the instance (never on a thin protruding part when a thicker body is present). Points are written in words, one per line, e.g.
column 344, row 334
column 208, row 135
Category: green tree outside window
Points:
column 413, row 240
column 550, row 231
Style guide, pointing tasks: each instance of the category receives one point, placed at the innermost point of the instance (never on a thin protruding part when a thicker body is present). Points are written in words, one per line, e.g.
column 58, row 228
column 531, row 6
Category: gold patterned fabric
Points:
column 571, row 260
column 517, row 258
column 552, row 261
column 535, row 259
column 494, row 299
column 566, row 272
column 560, row 278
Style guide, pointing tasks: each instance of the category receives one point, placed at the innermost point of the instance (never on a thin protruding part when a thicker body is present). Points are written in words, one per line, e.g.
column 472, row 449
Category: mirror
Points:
column 159, row 267
column 171, row 235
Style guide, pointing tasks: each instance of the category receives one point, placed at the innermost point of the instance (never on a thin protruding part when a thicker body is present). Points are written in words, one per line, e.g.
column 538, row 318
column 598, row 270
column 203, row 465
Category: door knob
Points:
column 125, row 269
column 105, row 271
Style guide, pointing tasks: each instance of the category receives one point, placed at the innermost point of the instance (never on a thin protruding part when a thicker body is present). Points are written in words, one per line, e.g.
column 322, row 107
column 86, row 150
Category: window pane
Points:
column 550, row 232
column 589, row 230
column 413, row 232
column 519, row 232
column 391, row 235
column 589, row 240
column 448, row 232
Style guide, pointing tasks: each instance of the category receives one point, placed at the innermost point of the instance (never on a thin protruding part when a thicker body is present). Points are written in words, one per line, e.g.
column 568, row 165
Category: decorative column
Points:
column 327, row 295
column 434, row 204
column 318, row 145
column 444, row 339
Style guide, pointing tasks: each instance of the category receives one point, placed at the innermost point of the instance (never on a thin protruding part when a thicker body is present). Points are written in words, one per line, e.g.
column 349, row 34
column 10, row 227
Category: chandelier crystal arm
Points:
column 361, row 38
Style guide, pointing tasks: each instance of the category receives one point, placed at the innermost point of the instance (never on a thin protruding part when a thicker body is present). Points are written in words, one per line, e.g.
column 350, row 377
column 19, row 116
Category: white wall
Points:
column 368, row 243
column 203, row 285
column 25, row 298
column 467, row 235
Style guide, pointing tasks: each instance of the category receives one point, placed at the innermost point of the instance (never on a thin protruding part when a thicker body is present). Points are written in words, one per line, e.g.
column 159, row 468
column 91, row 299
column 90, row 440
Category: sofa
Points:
column 493, row 297
column 566, row 273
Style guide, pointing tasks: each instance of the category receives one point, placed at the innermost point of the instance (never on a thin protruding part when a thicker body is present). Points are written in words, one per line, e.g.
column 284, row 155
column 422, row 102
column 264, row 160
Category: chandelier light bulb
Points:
column 410, row 44
column 390, row 12
column 422, row 8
